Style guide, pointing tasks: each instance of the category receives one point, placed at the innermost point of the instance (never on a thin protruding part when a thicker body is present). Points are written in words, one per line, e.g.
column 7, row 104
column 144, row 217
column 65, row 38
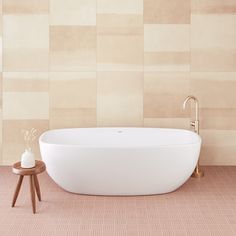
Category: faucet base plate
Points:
column 197, row 174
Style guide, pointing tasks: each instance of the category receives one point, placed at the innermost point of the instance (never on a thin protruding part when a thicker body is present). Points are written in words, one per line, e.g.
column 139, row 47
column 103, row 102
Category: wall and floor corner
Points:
column 83, row 63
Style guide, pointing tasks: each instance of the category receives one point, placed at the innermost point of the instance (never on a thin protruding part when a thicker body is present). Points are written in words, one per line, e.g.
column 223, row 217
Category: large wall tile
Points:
column 222, row 87
column 217, row 155
column 73, row 99
column 25, row 95
column 177, row 123
column 25, row 43
column 28, row 105
column 72, row 117
column 164, row 94
column 25, row 31
column 25, row 82
column 1, row 57
column 119, row 42
column 120, row 99
column 1, row 159
column 1, row 91
column 25, row 6
column 120, row 7
column 217, row 100
column 213, row 45
column 71, row 12
column 72, row 48
column 218, row 118
column 218, row 147
column 72, row 90
column 222, row 94
column 213, row 7
column 166, row 47
column 213, row 31
column 168, row 38
column 167, row 61
column 124, row 24
column 217, row 109
column 167, row 11
column 13, row 141
column 213, row 60
column 0, row 118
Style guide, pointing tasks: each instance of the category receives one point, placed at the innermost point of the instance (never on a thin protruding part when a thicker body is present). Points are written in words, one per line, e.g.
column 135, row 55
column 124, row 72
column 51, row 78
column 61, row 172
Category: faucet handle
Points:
column 195, row 125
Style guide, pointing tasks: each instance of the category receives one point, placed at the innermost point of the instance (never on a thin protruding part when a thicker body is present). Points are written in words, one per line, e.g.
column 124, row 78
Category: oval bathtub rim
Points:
column 199, row 141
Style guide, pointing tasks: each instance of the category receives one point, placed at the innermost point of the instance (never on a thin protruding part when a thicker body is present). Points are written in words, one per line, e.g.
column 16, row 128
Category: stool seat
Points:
column 39, row 168
column 34, row 184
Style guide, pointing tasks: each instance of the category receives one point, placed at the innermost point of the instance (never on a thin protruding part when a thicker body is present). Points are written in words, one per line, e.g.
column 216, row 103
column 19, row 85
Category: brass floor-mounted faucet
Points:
column 195, row 124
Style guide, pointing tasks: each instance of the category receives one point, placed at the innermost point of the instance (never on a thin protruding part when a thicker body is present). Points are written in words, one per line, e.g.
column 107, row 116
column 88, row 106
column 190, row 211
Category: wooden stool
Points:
column 34, row 184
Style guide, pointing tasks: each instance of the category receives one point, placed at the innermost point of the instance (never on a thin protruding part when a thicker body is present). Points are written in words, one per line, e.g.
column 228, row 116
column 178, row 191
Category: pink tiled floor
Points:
column 200, row 207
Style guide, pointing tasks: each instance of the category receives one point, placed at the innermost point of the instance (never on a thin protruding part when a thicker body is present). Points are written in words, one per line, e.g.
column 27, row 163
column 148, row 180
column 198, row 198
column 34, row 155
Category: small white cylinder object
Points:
column 27, row 159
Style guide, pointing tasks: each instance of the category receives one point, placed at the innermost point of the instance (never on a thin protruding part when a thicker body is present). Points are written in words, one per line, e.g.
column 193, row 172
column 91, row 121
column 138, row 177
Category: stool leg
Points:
column 32, row 191
column 17, row 190
column 37, row 188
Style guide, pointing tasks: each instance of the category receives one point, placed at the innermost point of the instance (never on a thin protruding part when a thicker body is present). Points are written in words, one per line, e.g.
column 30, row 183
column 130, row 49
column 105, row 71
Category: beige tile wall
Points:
column 86, row 63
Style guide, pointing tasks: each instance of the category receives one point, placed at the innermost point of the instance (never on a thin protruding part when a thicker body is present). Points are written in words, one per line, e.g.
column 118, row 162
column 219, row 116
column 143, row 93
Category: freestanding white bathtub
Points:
column 120, row 161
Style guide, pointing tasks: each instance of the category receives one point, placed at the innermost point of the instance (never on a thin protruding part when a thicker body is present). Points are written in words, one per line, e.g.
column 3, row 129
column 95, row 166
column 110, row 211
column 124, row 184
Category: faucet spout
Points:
column 186, row 100
column 196, row 105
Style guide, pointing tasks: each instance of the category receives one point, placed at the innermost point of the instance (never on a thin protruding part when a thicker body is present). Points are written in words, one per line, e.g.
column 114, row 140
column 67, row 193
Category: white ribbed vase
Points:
column 27, row 159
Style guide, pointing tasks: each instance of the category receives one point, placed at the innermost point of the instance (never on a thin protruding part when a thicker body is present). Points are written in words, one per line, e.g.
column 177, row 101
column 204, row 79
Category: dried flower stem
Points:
column 29, row 136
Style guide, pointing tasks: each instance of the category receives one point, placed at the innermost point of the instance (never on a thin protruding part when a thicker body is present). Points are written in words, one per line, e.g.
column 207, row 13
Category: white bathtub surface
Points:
column 120, row 137
column 120, row 161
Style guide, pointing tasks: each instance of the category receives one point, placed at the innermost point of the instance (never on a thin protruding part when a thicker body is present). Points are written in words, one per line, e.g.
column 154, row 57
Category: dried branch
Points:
column 29, row 136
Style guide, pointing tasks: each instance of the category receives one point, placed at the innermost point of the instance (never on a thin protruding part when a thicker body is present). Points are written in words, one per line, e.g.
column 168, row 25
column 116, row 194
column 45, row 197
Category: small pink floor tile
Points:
column 204, row 206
